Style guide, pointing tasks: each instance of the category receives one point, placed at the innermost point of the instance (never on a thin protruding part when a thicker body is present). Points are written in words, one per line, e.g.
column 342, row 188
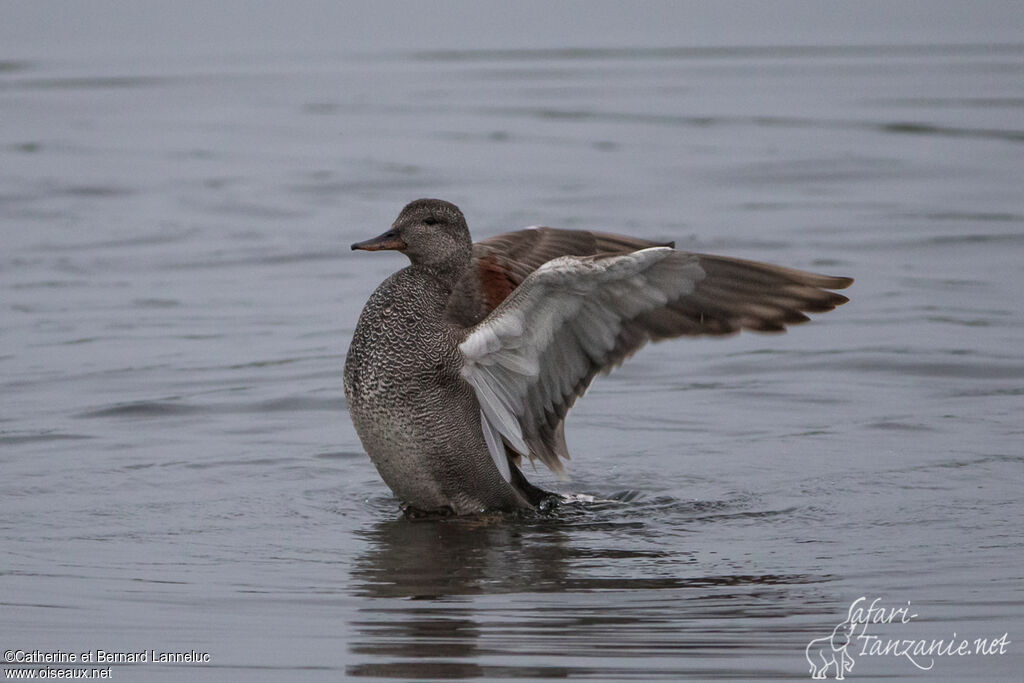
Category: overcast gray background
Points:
column 179, row 184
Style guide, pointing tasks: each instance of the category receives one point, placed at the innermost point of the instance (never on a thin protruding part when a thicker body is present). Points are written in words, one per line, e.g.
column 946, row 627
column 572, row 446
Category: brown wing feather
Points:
column 493, row 278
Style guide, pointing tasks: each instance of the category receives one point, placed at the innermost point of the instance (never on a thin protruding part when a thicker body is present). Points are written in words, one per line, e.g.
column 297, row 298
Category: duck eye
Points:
column 430, row 220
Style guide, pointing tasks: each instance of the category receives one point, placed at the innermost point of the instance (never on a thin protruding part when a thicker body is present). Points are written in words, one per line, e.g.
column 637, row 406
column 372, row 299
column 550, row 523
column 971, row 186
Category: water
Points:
column 179, row 473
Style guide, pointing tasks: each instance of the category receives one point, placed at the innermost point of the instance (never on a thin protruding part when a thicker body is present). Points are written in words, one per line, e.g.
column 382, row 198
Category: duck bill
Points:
column 389, row 240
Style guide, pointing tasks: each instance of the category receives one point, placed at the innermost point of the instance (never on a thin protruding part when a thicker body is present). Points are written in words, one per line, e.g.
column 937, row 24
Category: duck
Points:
column 468, row 360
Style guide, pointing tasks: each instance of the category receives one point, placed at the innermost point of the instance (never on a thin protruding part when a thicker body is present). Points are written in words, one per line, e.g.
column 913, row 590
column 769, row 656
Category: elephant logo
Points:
column 830, row 651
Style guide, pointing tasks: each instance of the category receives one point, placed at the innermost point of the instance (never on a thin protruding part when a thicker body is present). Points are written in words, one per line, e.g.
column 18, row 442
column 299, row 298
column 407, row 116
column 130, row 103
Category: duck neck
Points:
column 446, row 273
column 441, row 278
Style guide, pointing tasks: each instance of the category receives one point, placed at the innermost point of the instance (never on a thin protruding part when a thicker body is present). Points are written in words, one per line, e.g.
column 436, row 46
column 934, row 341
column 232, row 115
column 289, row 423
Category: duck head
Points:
column 431, row 232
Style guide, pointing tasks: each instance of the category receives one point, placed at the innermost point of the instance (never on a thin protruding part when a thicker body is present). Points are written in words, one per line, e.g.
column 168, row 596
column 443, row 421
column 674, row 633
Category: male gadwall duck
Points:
column 469, row 359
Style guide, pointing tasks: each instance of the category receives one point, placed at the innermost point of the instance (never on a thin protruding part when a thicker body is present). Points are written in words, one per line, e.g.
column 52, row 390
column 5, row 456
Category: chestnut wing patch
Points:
column 496, row 282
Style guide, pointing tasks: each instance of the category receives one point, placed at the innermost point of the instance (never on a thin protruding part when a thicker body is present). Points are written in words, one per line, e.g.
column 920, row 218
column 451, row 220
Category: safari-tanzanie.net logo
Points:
column 859, row 635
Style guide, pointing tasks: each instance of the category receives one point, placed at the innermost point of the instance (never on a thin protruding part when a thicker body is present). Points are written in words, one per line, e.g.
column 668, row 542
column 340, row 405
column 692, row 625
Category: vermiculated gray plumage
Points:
column 471, row 357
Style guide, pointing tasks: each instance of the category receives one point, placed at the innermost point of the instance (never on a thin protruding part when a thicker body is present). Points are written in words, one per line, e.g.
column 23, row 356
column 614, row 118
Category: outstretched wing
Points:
column 574, row 317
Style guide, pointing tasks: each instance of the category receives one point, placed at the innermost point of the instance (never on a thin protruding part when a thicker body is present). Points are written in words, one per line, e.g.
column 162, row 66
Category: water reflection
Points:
column 466, row 598
column 440, row 558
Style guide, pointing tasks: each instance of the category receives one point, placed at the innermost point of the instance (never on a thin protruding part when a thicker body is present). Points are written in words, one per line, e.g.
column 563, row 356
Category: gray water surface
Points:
column 177, row 469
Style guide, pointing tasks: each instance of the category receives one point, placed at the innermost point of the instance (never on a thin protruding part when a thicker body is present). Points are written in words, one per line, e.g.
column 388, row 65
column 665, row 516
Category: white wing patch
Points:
column 531, row 354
